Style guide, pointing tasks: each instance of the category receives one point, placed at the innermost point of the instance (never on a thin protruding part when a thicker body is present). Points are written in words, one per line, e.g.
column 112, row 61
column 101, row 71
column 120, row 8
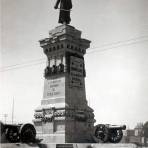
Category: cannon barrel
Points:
column 122, row 127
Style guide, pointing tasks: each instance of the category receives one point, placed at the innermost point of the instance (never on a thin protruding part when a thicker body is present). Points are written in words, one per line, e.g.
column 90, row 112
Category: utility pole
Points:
column 12, row 110
column 5, row 116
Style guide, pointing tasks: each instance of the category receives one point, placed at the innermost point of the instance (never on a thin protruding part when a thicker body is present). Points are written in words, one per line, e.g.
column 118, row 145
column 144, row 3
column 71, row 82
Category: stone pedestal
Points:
column 64, row 116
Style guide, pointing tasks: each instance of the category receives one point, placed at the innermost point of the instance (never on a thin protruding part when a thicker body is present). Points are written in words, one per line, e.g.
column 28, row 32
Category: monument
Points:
column 64, row 115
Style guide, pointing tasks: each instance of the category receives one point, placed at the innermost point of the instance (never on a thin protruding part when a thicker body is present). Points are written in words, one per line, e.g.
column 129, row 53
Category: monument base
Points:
column 64, row 109
column 60, row 138
column 51, row 138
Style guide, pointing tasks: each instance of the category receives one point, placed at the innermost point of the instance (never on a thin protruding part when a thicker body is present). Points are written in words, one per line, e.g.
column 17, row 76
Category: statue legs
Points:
column 64, row 17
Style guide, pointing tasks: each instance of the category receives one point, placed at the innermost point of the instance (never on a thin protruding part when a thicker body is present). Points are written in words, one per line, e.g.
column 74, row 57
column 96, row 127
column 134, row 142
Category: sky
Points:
column 116, row 62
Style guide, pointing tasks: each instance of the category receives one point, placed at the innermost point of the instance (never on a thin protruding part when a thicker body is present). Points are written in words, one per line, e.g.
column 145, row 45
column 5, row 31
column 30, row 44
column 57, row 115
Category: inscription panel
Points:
column 76, row 71
column 54, row 88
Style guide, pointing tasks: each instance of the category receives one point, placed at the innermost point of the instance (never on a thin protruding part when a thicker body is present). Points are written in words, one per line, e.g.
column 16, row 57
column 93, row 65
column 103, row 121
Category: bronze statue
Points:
column 65, row 7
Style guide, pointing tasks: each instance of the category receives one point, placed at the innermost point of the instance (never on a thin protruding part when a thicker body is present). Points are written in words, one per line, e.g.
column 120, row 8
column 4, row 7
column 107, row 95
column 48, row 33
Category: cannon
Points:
column 18, row 132
column 104, row 133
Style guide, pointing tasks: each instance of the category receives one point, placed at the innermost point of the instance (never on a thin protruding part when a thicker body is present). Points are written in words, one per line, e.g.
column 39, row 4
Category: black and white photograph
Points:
column 74, row 73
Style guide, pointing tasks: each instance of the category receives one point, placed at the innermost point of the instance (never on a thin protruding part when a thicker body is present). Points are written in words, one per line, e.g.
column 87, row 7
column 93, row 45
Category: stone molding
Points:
column 66, row 37
column 48, row 115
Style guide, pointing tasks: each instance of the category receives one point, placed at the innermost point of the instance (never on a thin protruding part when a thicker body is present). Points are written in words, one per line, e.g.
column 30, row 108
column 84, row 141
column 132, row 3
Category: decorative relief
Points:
column 59, row 113
column 48, row 115
column 80, row 116
column 48, row 48
column 54, row 70
column 70, row 113
column 56, row 65
column 38, row 115
column 45, row 115
column 52, row 48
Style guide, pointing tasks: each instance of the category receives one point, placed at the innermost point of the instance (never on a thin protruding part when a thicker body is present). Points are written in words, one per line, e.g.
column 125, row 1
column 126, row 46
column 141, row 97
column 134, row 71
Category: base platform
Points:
column 51, row 138
column 20, row 145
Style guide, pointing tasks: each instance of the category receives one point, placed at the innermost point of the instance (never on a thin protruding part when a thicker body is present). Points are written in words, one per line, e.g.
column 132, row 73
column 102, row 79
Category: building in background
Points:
column 136, row 136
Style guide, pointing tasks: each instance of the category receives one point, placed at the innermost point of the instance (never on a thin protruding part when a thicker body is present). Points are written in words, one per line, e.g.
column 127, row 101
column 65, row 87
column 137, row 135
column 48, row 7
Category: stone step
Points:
column 21, row 145
column 64, row 146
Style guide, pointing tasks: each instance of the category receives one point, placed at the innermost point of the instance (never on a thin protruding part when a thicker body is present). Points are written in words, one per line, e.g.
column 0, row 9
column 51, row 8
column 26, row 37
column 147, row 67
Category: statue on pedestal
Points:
column 65, row 7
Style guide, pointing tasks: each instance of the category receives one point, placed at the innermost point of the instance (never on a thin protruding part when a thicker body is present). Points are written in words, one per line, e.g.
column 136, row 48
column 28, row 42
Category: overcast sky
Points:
column 116, row 63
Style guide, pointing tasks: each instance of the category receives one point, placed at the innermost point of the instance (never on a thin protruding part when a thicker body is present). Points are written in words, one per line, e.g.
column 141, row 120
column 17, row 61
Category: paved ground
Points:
column 106, row 146
column 19, row 145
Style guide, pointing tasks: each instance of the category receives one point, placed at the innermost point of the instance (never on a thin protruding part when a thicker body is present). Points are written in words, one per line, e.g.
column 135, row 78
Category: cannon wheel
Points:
column 115, row 135
column 12, row 134
column 27, row 133
column 101, row 133
column 2, row 128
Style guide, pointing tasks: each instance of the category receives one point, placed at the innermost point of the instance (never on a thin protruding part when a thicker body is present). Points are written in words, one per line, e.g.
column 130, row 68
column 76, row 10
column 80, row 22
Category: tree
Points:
column 145, row 129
